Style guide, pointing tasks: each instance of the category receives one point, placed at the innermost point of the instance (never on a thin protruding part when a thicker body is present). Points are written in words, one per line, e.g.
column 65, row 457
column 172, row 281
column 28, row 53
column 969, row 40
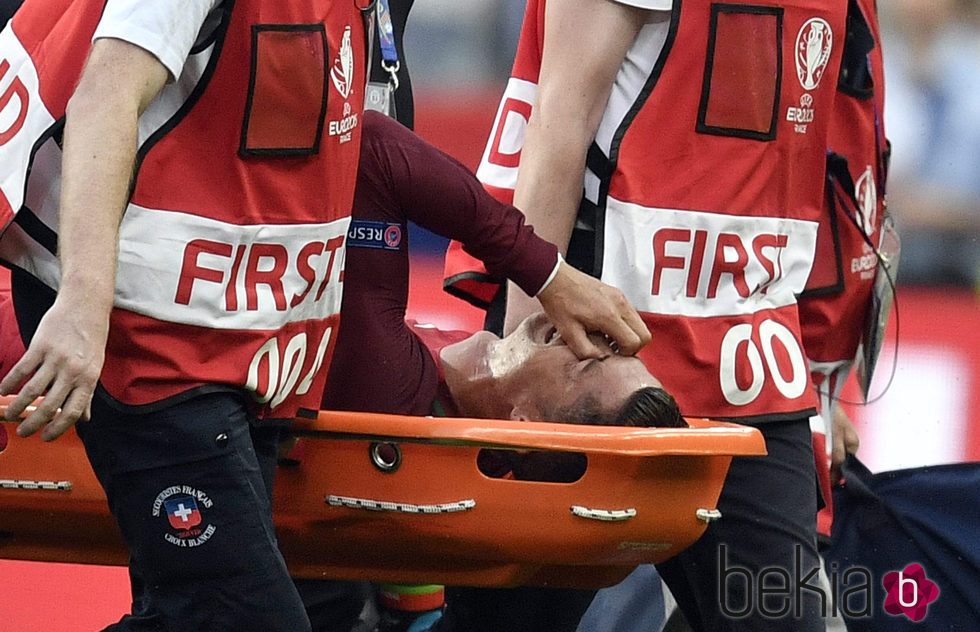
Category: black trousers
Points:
column 513, row 609
column 755, row 568
column 190, row 486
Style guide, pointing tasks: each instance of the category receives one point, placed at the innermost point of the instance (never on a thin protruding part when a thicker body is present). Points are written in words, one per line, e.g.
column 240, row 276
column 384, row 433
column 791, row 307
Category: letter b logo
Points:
column 909, row 592
column 903, row 583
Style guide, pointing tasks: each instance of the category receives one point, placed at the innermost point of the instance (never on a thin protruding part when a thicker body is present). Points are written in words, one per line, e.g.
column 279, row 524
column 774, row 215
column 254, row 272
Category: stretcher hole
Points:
column 387, row 457
column 534, row 465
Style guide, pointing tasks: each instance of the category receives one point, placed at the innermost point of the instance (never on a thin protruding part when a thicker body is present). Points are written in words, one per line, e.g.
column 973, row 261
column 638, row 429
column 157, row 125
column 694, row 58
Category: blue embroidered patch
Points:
column 374, row 234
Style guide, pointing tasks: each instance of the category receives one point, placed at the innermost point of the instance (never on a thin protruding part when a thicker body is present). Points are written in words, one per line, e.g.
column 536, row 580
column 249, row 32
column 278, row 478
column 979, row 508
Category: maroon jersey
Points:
column 380, row 363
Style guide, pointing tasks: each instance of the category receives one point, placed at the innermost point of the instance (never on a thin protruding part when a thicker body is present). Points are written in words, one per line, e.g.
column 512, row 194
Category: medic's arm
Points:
column 440, row 194
column 585, row 42
column 67, row 352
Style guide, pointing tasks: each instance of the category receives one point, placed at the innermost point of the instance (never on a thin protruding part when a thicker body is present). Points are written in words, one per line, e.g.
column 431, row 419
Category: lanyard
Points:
column 386, row 39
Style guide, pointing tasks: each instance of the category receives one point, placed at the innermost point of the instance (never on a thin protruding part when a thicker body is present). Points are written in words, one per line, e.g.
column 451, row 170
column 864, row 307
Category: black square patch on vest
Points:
column 740, row 93
column 287, row 91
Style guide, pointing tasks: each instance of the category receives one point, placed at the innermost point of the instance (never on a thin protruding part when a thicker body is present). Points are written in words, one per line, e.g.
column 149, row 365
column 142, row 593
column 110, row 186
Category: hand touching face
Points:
column 539, row 373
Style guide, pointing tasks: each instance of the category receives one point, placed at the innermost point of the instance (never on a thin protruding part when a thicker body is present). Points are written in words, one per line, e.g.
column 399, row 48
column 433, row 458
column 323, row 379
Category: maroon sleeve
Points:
column 440, row 194
column 378, row 363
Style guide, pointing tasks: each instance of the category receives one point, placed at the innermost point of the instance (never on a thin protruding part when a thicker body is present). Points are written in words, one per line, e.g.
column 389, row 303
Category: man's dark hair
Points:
column 650, row 406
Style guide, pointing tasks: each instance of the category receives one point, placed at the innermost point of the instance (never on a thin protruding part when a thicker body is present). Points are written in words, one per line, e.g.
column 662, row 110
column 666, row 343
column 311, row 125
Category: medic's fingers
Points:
column 46, row 408
column 846, row 441
column 838, row 453
column 627, row 340
column 31, row 390
column 42, row 416
column 594, row 307
column 76, row 406
column 852, row 442
column 625, row 326
column 579, row 342
column 19, row 372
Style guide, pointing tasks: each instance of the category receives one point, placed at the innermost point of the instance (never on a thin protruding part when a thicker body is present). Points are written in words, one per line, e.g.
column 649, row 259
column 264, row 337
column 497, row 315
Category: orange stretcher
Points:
column 397, row 498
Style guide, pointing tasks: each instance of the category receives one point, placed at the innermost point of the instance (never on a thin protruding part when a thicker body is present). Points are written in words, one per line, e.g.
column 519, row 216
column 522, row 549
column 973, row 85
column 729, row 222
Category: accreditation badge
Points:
column 380, row 97
column 882, row 296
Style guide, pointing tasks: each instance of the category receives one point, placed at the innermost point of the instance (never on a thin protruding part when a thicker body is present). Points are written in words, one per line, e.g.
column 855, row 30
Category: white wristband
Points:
column 551, row 277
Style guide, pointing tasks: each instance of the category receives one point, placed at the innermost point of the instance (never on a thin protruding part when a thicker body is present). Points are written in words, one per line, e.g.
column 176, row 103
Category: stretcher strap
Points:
column 61, row 486
column 607, row 515
column 384, row 505
column 708, row 515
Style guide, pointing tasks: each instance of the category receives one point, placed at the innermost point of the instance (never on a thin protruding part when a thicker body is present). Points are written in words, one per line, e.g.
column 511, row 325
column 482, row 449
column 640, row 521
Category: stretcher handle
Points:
column 704, row 437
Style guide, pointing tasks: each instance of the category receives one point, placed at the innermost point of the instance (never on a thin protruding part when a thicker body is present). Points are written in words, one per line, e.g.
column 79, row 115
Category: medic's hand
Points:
column 578, row 304
column 846, row 441
column 65, row 359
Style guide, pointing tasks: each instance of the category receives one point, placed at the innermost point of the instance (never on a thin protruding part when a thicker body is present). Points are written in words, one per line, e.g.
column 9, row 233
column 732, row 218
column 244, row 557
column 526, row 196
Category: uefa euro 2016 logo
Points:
column 342, row 72
column 813, row 45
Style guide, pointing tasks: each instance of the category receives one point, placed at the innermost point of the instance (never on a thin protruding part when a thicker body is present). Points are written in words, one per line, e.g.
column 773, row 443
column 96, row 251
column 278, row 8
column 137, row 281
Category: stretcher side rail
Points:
column 435, row 518
column 712, row 437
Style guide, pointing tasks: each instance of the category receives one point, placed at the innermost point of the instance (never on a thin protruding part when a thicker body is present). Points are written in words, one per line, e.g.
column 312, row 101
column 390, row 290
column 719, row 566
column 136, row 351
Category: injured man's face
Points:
column 533, row 375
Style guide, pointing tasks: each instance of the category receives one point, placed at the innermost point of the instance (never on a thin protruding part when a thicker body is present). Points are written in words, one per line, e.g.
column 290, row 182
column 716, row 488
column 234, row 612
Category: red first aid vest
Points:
column 835, row 305
column 705, row 183
column 232, row 246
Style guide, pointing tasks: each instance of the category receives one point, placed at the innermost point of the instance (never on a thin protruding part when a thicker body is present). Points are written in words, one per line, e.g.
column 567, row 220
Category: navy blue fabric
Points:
column 928, row 515
column 7, row 10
